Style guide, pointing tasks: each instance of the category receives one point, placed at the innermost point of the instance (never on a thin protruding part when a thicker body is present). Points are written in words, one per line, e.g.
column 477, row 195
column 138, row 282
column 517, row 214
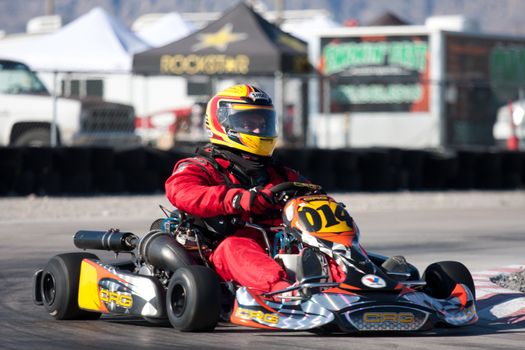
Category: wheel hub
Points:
column 48, row 288
column 178, row 300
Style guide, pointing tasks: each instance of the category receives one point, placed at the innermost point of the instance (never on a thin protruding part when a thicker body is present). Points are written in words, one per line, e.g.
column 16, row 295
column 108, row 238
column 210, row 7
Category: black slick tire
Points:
column 59, row 287
column 442, row 277
column 193, row 299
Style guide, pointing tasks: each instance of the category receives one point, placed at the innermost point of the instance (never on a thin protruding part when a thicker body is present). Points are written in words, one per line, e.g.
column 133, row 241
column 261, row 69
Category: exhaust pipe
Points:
column 163, row 251
column 106, row 240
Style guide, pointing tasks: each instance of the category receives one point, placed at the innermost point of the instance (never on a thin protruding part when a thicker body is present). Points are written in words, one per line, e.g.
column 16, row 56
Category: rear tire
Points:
column 442, row 277
column 193, row 299
column 59, row 287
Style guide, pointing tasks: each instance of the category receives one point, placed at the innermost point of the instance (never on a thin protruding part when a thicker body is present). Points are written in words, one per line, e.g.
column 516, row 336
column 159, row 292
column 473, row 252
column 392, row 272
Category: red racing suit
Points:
column 205, row 189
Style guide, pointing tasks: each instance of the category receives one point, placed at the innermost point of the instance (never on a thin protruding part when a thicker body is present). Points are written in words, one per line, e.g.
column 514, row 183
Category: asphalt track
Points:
column 482, row 238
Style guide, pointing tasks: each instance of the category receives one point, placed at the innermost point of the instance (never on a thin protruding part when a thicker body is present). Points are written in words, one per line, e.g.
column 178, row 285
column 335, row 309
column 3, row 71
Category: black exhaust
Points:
column 106, row 240
column 163, row 251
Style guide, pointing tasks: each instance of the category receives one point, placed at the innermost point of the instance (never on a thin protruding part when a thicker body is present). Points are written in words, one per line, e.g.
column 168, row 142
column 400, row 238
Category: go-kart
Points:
column 169, row 278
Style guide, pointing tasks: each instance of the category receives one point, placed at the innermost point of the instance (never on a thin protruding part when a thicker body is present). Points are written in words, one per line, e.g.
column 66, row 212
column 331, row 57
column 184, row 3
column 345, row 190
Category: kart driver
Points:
column 230, row 178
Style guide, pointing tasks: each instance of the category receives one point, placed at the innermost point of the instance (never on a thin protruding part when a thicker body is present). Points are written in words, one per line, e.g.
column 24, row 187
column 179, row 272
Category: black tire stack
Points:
column 103, row 170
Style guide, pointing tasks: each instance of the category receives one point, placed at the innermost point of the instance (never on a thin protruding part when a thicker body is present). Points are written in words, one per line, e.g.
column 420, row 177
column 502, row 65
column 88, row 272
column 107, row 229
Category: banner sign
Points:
column 204, row 64
column 377, row 74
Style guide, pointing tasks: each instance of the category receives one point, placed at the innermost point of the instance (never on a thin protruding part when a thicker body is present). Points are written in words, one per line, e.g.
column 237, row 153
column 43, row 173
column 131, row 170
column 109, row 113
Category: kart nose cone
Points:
column 387, row 318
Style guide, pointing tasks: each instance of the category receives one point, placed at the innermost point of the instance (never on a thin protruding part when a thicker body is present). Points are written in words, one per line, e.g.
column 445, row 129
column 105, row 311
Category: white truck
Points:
column 27, row 112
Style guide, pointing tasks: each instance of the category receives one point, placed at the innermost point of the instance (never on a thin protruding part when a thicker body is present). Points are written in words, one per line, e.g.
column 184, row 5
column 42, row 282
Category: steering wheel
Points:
column 286, row 190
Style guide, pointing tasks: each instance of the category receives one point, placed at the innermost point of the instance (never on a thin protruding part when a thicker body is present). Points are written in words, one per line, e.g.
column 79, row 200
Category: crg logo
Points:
column 121, row 299
column 257, row 315
column 394, row 317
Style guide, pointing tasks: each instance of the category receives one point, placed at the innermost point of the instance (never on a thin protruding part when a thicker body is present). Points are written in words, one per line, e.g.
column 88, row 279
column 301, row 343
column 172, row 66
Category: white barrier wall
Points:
column 417, row 130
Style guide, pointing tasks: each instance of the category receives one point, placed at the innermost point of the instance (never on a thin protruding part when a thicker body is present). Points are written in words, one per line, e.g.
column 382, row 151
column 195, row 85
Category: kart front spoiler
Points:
column 409, row 310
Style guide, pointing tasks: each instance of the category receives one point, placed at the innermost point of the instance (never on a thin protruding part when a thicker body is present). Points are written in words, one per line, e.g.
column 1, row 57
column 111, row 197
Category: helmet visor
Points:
column 253, row 121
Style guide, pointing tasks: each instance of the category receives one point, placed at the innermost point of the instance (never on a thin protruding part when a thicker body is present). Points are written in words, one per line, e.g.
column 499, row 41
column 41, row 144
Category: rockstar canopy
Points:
column 241, row 42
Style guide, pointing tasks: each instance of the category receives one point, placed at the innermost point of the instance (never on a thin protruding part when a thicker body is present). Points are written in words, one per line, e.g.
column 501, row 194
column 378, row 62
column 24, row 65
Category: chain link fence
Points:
column 121, row 110
column 449, row 113
column 124, row 110
column 96, row 108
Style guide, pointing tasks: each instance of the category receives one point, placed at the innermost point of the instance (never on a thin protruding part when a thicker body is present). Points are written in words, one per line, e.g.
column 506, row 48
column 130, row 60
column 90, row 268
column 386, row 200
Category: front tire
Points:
column 442, row 277
column 193, row 299
column 59, row 287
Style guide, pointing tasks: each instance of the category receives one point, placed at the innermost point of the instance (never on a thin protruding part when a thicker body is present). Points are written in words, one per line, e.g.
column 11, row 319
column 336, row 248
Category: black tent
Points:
column 388, row 19
column 241, row 42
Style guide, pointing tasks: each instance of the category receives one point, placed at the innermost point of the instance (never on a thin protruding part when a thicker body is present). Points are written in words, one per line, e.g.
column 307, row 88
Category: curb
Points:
column 498, row 304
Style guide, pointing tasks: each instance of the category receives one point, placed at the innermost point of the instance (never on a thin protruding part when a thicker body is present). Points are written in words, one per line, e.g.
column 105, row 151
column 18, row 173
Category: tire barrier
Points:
column 101, row 170
column 375, row 169
column 39, row 175
column 438, row 171
column 411, row 169
column 10, row 168
column 512, row 168
column 73, row 166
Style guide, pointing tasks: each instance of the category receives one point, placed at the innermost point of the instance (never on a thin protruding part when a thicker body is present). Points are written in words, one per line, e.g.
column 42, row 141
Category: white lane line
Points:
column 485, row 293
column 505, row 309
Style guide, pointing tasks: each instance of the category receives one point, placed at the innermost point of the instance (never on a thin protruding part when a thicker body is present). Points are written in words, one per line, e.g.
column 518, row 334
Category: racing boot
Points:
column 313, row 268
column 286, row 296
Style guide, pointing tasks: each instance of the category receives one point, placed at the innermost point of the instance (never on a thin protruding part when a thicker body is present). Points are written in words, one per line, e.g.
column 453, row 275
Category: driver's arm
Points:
column 197, row 189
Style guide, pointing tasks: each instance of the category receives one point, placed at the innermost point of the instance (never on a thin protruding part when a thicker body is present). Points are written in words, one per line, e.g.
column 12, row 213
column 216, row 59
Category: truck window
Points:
column 16, row 78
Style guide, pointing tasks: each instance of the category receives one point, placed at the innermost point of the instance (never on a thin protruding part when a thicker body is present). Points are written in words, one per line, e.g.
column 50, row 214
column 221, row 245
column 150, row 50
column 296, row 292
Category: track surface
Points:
column 481, row 238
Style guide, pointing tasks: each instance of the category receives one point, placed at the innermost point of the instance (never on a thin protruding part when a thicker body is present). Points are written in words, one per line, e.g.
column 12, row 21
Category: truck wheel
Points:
column 37, row 137
column 59, row 287
column 193, row 299
column 442, row 277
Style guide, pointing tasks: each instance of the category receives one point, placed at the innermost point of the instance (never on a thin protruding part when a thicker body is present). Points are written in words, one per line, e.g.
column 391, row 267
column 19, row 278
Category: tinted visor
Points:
column 252, row 121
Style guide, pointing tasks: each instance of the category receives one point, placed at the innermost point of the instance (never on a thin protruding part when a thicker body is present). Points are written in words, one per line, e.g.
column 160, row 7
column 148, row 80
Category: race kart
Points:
column 170, row 280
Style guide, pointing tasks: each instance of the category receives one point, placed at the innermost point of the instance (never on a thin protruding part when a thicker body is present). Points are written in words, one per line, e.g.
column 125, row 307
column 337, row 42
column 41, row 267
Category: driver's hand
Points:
column 257, row 200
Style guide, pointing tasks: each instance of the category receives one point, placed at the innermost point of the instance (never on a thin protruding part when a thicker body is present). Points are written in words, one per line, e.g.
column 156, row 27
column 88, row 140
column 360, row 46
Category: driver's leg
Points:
column 244, row 261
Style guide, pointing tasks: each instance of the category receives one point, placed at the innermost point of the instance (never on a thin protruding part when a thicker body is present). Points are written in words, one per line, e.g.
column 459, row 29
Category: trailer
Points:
column 415, row 87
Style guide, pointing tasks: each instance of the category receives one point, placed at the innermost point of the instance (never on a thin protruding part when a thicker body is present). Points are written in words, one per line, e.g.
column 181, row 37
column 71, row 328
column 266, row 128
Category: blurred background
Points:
column 393, row 85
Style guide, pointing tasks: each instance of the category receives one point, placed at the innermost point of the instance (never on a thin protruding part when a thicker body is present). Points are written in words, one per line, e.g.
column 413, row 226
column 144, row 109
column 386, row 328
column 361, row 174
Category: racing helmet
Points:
column 242, row 117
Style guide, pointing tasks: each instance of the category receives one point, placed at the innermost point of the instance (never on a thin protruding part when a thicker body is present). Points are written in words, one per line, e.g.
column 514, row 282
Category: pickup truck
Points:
column 27, row 108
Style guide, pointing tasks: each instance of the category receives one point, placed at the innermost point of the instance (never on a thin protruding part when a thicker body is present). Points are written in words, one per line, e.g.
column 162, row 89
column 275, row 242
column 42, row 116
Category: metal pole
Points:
column 279, row 101
column 50, row 7
column 54, row 126
column 279, row 9
column 214, row 84
column 326, row 109
column 437, row 85
column 305, row 111
column 145, row 100
column 347, row 130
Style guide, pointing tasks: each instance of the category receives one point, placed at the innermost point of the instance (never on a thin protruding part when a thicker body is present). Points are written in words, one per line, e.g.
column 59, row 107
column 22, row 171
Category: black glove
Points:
column 256, row 200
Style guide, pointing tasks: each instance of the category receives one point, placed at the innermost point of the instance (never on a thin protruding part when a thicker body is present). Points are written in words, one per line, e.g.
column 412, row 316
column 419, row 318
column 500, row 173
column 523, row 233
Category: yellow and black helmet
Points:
column 242, row 117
